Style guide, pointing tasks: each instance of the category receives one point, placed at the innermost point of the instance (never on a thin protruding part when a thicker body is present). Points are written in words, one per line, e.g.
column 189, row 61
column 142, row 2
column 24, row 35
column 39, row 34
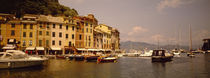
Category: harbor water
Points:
column 126, row 67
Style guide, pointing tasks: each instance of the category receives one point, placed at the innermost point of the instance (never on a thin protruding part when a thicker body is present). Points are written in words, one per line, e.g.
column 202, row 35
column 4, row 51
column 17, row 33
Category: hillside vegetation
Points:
column 46, row 7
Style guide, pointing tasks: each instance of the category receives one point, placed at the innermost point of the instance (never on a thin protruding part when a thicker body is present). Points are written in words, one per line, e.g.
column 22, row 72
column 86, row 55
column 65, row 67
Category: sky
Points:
column 166, row 21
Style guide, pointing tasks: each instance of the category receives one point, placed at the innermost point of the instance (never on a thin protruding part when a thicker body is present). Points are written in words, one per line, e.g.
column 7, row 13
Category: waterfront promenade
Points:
column 126, row 67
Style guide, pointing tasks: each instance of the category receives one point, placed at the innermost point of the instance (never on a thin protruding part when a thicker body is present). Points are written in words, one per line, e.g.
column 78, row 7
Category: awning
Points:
column 39, row 48
column 117, row 49
column 55, row 48
column 30, row 48
column 11, row 40
column 82, row 49
column 93, row 50
column 9, row 47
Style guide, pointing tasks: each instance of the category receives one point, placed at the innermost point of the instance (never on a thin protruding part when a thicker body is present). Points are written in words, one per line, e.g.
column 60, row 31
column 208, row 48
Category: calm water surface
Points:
column 126, row 67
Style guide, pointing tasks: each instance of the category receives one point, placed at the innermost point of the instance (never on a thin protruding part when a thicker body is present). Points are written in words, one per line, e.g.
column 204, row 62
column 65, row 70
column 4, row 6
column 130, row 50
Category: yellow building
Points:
column 90, row 23
column 10, row 31
column 106, row 35
column 28, row 32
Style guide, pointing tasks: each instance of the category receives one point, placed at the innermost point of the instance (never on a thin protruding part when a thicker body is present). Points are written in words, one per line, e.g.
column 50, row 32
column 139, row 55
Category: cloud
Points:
column 172, row 4
column 137, row 30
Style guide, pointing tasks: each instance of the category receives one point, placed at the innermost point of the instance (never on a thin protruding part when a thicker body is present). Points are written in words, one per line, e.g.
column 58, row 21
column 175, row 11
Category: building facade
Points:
column 49, row 35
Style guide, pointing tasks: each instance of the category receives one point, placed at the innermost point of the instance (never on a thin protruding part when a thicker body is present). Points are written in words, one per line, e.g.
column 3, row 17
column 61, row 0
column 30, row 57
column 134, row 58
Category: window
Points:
column 67, row 27
column 24, row 34
column 40, row 26
column 91, row 25
column 0, row 32
column 67, row 36
column 78, row 24
column 40, row 42
column 31, row 26
column 24, row 26
column 91, row 30
column 47, row 42
column 48, row 26
column 40, row 32
column 87, row 30
column 53, row 25
column 72, row 36
column 53, row 42
column 82, row 29
column 60, row 26
column 31, row 34
column 24, row 43
column 60, row 43
column 53, row 34
column 80, row 37
column 47, row 33
column 12, row 32
column 30, row 43
column 60, row 34
column 86, row 24
column 89, row 38
column 72, row 28
column 77, row 29
column 13, row 25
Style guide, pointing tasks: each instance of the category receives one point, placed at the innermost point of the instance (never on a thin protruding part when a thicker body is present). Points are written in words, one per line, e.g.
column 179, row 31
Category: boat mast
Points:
column 158, row 42
column 190, row 33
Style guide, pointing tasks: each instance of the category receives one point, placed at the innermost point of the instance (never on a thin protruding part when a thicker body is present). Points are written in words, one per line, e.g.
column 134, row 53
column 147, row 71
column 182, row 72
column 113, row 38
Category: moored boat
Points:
column 19, row 59
column 107, row 59
column 79, row 57
column 70, row 56
column 176, row 52
column 147, row 54
column 60, row 57
column 161, row 56
column 91, row 58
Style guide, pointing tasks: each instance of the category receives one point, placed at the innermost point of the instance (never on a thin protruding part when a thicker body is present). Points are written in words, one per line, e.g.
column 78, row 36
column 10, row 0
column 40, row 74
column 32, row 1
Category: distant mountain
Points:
column 141, row 45
column 46, row 7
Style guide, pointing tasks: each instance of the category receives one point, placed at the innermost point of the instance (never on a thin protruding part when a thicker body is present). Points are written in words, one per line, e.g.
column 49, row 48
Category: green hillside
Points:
column 20, row 7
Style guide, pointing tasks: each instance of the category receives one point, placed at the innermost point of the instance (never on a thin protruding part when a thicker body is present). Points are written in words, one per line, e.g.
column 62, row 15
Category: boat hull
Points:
column 103, row 60
column 162, row 59
column 20, row 64
column 92, row 58
column 79, row 58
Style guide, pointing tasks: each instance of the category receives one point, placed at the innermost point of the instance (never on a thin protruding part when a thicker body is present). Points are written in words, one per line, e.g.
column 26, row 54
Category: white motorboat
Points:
column 176, row 52
column 19, row 59
column 133, row 54
column 147, row 53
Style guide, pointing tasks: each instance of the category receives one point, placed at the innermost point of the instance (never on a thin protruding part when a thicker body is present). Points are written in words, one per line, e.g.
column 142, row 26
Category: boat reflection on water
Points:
column 159, row 69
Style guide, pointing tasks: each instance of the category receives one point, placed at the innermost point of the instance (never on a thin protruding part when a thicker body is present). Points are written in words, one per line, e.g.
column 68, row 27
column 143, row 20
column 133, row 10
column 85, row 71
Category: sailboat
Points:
column 177, row 51
column 190, row 53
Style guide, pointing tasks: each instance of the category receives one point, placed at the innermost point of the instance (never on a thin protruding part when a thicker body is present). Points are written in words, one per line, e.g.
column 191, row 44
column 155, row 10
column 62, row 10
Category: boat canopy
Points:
column 82, row 49
column 55, row 48
column 30, row 48
column 39, row 48
column 10, row 47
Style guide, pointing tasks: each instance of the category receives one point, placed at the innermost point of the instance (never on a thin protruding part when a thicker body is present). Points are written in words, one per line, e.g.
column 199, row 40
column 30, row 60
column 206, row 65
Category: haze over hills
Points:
column 46, row 7
column 141, row 45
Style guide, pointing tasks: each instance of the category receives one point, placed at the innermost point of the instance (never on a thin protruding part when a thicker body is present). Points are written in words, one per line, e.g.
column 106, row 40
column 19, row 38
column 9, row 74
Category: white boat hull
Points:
column 20, row 63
